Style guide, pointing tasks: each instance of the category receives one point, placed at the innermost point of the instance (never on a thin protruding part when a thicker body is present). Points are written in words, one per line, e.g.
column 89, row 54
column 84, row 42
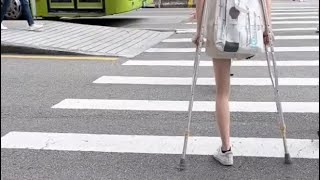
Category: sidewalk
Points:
column 66, row 38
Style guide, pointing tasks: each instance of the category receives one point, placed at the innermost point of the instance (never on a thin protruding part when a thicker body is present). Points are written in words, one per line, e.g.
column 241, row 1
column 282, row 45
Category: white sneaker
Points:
column 3, row 27
column 225, row 159
column 35, row 27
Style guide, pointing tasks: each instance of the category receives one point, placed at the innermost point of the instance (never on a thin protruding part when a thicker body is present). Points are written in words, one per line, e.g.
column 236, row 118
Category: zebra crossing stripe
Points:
column 277, row 22
column 174, row 106
column 295, row 10
column 293, row 29
column 293, row 13
column 192, row 50
column 295, row 17
column 295, row 22
column 203, row 81
column 242, row 63
column 184, row 31
column 178, row 40
column 181, row 40
column 148, row 144
column 172, row 50
column 296, row 37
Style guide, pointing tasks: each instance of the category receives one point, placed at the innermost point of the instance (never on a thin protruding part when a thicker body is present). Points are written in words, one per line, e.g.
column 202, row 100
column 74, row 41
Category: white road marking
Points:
column 200, row 106
column 295, row 17
column 304, row 37
column 295, row 10
column 184, row 31
column 294, row 13
column 203, row 81
column 192, row 50
column 147, row 144
column 244, row 63
column 277, row 22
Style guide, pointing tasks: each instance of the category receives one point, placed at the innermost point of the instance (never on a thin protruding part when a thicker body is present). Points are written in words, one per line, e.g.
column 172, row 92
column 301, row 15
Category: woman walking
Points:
column 222, row 65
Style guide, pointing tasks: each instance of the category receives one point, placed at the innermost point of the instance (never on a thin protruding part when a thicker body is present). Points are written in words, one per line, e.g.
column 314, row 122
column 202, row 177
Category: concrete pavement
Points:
column 73, row 38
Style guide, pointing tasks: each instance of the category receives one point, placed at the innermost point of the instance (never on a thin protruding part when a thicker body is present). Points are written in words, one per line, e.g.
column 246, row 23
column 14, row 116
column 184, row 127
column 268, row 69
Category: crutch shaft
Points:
column 278, row 103
column 182, row 165
column 194, row 82
column 275, row 81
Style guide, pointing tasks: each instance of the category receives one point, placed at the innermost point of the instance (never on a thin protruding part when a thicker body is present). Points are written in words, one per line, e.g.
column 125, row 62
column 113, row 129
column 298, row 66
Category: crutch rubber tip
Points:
column 182, row 165
column 287, row 159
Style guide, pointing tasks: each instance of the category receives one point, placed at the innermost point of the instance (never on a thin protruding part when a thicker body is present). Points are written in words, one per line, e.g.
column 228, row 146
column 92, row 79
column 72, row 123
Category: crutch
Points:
column 275, row 82
column 182, row 164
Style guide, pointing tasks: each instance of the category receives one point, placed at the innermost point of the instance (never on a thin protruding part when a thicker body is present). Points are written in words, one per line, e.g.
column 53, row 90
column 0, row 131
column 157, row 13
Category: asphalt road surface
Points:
column 114, row 118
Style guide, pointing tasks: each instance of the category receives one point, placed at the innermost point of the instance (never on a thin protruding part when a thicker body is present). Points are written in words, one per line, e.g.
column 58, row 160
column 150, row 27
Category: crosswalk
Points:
column 167, row 74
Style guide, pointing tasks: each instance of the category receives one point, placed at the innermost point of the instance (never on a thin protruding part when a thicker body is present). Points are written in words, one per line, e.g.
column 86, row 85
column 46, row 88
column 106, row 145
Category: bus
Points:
column 76, row 8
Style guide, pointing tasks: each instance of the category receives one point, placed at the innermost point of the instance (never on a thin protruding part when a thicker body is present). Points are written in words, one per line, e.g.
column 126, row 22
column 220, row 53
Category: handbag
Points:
column 238, row 28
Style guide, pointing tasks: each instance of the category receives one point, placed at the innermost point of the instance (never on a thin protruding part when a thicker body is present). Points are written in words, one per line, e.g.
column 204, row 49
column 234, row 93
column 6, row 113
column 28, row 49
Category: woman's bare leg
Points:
column 222, row 77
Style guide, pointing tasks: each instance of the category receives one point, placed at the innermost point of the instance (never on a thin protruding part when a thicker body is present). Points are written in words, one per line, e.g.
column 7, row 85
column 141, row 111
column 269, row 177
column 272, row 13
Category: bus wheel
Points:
column 15, row 9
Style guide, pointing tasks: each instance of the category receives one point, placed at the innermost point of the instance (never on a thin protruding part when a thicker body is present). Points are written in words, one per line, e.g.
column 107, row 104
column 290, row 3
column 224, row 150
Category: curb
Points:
column 174, row 4
column 12, row 49
column 160, row 29
column 170, row 5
